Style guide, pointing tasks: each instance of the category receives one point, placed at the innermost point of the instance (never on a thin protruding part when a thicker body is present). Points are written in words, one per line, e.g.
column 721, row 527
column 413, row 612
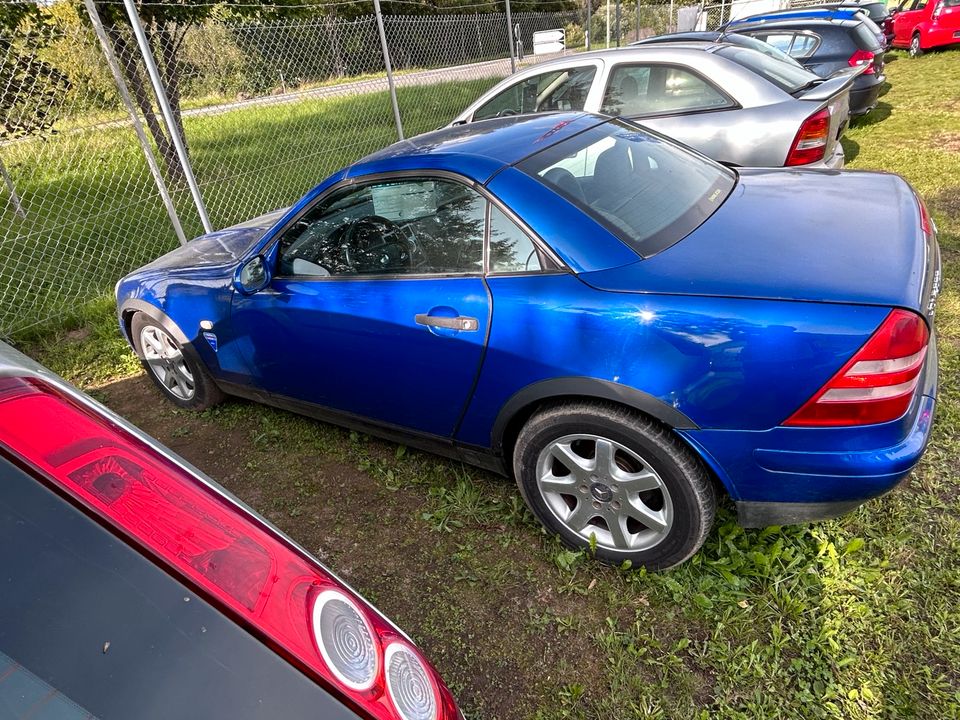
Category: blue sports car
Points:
column 625, row 326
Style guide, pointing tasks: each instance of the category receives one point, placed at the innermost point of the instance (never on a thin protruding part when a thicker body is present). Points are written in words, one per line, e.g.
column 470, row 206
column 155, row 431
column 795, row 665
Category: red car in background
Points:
column 922, row 25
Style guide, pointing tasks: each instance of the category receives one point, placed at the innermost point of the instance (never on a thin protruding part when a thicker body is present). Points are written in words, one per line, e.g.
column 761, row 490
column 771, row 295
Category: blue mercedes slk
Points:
column 623, row 325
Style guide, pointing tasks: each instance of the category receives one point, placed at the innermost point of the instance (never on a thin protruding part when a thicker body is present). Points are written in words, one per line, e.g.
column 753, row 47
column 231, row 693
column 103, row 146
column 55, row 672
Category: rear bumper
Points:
column 865, row 93
column 790, row 475
column 938, row 37
column 835, row 161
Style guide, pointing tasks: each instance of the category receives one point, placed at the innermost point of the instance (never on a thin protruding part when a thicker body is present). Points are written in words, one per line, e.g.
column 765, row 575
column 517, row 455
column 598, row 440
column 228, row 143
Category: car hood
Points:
column 223, row 247
column 808, row 235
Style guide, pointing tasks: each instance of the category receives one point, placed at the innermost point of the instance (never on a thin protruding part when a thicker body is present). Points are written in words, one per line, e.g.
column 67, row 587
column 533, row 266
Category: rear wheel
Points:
column 604, row 476
column 915, row 49
column 177, row 372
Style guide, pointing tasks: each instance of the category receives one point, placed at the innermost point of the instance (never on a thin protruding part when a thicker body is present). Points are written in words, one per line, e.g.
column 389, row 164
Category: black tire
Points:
column 205, row 392
column 915, row 49
column 680, row 474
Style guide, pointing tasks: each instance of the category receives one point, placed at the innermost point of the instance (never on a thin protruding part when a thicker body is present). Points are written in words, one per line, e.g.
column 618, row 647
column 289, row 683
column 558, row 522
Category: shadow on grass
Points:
column 880, row 113
column 851, row 148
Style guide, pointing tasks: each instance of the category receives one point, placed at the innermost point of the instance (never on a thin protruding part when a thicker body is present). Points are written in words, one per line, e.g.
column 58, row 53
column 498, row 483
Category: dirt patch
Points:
column 503, row 637
column 948, row 141
column 947, row 201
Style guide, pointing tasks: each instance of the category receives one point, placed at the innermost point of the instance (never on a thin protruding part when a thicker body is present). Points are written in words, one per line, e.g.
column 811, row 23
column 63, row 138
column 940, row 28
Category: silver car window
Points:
column 564, row 89
column 640, row 89
column 789, row 77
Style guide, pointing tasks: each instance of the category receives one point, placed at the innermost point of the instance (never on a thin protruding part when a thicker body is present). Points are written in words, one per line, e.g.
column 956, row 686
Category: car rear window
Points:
column 787, row 76
column 645, row 189
column 877, row 11
column 760, row 46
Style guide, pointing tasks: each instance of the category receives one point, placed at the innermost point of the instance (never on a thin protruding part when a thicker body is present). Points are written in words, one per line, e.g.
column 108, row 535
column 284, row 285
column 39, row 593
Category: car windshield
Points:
column 760, row 46
column 647, row 190
column 789, row 77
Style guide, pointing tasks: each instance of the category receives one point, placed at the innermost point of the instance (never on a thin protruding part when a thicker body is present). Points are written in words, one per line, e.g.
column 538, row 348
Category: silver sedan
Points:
column 734, row 104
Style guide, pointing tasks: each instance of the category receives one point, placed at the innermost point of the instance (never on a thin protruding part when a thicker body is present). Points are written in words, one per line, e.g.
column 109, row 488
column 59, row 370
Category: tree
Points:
column 29, row 87
column 166, row 24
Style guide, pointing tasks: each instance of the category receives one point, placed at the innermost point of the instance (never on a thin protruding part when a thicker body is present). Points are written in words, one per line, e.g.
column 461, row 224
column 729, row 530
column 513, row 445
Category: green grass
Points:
column 93, row 212
column 849, row 619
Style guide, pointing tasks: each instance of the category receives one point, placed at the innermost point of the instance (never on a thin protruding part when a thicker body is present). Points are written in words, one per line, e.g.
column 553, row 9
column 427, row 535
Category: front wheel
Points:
column 605, row 477
column 915, row 49
column 178, row 373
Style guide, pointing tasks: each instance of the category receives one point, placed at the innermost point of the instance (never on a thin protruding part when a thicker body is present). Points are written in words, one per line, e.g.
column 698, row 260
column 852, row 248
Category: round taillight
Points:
column 345, row 639
column 409, row 685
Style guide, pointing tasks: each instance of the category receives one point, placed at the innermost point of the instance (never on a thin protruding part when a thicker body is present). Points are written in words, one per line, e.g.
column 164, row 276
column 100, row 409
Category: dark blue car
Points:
column 622, row 324
column 826, row 42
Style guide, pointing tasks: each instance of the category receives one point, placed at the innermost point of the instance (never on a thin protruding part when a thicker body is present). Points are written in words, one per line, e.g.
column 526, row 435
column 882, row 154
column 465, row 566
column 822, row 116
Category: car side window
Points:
column 511, row 249
column 565, row 89
column 804, row 45
column 780, row 40
column 654, row 89
column 918, row 4
column 419, row 226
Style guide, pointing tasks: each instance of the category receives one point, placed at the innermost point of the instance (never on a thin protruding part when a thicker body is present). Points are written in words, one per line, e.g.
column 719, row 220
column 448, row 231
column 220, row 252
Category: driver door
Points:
column 378, row 306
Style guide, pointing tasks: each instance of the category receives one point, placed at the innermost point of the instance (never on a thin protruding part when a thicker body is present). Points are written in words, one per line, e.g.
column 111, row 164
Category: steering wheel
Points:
column 506, row 112
column 376, row 244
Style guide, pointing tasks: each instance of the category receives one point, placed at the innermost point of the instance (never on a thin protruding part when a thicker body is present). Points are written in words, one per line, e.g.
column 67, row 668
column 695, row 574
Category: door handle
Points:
column 461, row 322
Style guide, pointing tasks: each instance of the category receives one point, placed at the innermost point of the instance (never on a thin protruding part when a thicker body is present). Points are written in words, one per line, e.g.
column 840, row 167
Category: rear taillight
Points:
column 926, row 224
column 239, row 563
column 938, row 9
column 810, row 145
column 878, row 383
column 863, row 57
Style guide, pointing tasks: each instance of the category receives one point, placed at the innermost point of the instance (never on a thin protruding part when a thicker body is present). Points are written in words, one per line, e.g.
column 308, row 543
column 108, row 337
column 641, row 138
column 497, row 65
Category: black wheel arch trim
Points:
column 587, row 388
column 130, row 307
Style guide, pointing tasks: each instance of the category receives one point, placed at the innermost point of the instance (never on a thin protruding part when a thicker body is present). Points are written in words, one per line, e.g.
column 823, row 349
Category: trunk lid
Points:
column 833, row 94
column 804, row 235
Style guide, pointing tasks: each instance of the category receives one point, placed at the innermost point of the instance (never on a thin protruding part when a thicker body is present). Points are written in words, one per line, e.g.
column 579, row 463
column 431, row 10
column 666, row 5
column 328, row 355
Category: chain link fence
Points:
column 266, row 109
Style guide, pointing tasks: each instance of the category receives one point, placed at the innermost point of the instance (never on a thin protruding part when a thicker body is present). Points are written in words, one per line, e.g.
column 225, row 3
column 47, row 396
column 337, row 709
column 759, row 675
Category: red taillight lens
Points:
column 239, row 563
column 926, row 224
column 810, row 144
column 878, row 383
column 863, row 57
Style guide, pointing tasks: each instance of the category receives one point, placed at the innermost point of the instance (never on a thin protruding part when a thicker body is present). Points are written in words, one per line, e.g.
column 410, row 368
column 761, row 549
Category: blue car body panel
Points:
column 811, row 13
column 359, row 350
column 741, row 251
column 723, row 335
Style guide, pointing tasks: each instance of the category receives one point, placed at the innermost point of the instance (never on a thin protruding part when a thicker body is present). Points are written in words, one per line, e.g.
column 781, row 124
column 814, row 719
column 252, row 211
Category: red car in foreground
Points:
column 135, row 587
column 922, row 25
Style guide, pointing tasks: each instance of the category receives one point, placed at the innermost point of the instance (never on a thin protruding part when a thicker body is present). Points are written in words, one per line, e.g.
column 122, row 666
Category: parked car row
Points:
column 627, row 325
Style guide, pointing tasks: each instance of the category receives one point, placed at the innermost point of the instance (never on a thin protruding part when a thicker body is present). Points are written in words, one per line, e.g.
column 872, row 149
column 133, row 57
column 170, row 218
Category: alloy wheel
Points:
column 164, row 358
column 604, row 492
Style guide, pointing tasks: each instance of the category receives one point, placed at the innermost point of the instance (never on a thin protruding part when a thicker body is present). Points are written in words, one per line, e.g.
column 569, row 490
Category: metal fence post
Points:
column 124, row 92
column 14, row 198
column 589, row 24
column 618, row 22
column 386, row 61
column 513, row 55
column 167, row 112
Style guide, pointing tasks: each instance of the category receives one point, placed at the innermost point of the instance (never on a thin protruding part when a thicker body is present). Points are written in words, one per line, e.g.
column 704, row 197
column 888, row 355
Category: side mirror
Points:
column 252, row 276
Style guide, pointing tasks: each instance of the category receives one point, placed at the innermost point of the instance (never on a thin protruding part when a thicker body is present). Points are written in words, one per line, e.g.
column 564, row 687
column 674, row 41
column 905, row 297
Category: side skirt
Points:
column 470, row 454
